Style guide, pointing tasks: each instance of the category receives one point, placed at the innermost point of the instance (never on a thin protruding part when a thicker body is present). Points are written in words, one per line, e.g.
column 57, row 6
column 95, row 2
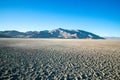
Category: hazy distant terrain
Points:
column 59, row 59
column 113, row 38
column 55, row 33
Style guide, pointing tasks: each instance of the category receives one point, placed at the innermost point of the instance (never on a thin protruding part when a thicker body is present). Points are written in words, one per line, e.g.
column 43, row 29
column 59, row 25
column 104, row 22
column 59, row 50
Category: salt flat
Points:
column 59, row 59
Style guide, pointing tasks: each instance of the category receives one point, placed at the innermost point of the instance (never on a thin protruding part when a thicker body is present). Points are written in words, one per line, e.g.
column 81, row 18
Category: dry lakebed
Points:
column 59, row 59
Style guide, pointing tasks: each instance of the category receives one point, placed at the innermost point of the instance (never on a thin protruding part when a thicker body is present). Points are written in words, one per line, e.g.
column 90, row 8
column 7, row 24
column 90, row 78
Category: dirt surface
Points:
column 59, row 59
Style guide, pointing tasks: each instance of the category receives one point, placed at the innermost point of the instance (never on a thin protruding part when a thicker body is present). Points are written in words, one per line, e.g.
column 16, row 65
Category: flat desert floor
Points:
column 59, row 59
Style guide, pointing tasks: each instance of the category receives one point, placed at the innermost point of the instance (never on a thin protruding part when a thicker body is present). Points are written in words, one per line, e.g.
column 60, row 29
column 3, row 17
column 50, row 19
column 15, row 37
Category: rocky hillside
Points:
column 55, row 33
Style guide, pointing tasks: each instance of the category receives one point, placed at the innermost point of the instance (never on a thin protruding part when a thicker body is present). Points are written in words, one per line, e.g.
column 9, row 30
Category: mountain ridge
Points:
column 54, row 33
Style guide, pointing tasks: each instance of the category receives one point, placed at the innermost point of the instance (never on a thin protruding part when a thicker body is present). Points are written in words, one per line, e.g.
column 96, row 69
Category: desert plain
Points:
column 59, row 59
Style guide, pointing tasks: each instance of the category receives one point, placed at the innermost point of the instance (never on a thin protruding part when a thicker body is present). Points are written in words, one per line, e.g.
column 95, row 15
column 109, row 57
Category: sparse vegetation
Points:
column 59, row 59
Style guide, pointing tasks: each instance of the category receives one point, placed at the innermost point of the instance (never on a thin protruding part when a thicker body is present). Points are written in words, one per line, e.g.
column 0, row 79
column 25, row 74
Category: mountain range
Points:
column 55, row 33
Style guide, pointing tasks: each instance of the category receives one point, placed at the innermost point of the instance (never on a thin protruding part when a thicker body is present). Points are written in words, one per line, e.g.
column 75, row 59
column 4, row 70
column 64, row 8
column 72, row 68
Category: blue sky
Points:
column 101, row 17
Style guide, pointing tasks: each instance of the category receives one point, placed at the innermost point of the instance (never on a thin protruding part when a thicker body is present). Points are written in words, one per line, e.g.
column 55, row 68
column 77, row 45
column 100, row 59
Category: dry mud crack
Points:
column 59, row 59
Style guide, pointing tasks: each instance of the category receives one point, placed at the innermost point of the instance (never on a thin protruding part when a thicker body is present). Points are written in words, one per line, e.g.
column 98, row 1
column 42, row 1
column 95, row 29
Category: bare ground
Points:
column 59, row 59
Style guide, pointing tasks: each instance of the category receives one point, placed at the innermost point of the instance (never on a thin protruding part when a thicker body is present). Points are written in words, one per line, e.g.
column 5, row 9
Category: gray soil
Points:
column 59, row 59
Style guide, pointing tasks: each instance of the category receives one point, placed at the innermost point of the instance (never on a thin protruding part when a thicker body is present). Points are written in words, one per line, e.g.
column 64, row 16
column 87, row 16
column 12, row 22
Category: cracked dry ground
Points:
column 59, row 59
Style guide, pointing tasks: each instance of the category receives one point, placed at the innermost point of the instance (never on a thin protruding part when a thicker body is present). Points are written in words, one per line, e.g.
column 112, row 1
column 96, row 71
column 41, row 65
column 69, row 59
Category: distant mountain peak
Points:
column 56, row 29
column 54, row 33
column 60, row 28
